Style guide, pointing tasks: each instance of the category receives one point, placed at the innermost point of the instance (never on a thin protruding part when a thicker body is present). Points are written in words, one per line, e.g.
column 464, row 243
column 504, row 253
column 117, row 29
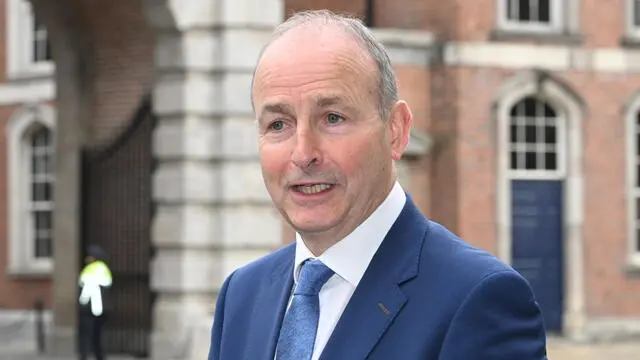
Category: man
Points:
column 94, row 280
column 368, row 276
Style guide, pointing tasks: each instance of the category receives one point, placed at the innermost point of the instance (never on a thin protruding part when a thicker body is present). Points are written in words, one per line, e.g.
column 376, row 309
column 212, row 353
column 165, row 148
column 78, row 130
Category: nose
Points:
column 306, row 152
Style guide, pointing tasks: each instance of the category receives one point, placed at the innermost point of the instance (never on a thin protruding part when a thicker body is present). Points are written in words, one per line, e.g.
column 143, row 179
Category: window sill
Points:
column 30, row 272
column 632, row 267
column 630, row 41
column 538, row 37
column 39, row 72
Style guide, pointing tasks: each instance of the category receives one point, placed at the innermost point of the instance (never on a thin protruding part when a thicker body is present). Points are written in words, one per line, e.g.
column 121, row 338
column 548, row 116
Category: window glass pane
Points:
column 43, row 247
column 39, row 165
column 518, row 110
column 550, row 159
column 530, row 106
column 35, row 49
column 544, row 11
column 530, row 160
column 636, row 13
column 43, row 220
column 41, row 138
column 530, row 134
column 41, row 191
column 41, row 47
column 524, row 13
column 550, row 135
column 514, row 160
column 43, row 244
column 513, row 132
column 637, row 240
column 549, row 112
column 47, row 48
column 48, row 165
column 637, row 208
column 512, row 8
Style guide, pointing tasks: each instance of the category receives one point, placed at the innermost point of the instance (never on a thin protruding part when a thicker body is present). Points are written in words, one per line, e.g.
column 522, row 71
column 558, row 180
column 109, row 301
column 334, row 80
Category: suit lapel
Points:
column 270, row 312
column 379, row 298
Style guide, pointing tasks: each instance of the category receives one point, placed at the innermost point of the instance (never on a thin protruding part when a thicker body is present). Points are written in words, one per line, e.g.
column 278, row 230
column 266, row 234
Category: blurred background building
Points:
column 128, row 124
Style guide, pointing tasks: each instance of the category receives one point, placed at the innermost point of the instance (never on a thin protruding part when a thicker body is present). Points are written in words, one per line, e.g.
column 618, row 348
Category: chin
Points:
column 310, row 224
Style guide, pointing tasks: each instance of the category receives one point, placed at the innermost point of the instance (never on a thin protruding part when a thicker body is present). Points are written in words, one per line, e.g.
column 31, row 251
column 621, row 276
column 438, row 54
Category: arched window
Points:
column 533, row 137
column 39, row 146
column 31, row 149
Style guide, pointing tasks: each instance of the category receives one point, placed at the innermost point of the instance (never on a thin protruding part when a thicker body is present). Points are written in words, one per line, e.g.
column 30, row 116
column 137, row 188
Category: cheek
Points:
column 273, row 162
column 356, row 159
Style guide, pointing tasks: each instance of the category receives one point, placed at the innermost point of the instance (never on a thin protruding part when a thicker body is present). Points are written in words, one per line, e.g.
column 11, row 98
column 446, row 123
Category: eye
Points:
column 277, row 125
column 334, row 118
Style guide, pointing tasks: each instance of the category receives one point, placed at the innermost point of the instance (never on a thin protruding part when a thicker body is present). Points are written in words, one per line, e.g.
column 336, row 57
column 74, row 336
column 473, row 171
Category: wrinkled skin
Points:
column 316, row 101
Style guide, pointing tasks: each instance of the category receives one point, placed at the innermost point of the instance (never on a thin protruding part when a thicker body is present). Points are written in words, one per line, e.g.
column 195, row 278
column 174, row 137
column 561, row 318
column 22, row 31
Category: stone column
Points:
column 72, row 101
column 213, row 213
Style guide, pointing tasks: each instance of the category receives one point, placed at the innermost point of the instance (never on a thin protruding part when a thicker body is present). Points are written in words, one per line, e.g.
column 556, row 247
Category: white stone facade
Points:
column 213, row 212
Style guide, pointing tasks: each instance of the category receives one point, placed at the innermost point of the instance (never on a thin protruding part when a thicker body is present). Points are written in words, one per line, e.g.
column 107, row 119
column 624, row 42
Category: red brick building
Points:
column 526, row 138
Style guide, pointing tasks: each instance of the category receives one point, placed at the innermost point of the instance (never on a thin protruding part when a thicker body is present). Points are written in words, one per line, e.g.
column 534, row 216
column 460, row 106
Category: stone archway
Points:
column 212, row 211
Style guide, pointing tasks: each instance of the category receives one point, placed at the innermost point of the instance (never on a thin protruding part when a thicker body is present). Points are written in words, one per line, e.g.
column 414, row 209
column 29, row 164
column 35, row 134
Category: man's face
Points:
column 326, row 154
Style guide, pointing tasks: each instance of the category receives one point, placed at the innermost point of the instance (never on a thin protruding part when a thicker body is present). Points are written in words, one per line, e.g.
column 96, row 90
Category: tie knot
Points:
column 313, row 275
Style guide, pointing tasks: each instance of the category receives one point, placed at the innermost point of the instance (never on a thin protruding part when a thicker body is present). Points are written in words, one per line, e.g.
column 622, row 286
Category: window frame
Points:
column 20, row 38
column 557, row 16
column 633, row 30
column 633, row 190
column 22, row 259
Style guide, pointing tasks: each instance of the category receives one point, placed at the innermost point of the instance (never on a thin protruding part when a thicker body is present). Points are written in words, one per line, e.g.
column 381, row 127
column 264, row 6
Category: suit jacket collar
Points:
column 373, row 306
column 273, row 300
column 379, row 298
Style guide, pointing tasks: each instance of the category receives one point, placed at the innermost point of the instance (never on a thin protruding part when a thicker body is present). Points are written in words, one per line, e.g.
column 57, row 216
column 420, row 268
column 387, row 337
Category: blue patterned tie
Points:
column 298, row 332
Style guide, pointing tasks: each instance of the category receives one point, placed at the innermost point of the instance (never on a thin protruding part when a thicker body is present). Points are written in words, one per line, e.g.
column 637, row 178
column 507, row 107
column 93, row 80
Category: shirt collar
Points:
column 363, row 241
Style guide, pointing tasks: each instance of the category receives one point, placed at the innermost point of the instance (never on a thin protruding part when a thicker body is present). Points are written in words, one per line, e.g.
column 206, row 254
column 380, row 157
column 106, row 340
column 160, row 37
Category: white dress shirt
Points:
column 349, row 258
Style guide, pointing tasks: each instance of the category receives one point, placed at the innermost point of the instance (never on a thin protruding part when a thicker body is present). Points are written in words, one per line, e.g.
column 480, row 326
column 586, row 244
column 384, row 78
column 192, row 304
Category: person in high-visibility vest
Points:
column 95, row 278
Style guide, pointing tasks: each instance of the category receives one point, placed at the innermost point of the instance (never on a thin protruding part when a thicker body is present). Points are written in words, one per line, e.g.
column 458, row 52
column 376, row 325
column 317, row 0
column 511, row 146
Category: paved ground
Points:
column 558, row 350
column 25, row 354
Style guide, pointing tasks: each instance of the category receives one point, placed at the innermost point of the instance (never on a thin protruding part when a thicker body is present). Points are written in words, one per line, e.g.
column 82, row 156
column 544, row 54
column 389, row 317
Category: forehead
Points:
column 312, row 63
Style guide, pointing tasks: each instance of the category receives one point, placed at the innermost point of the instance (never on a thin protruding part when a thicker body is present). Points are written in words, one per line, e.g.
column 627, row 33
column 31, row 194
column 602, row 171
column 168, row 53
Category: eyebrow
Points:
column 285, row 109
column 326, row 101
column 276, row 108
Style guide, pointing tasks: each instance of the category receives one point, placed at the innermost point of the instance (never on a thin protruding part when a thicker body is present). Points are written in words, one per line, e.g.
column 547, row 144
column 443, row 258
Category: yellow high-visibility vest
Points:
column 93, row 276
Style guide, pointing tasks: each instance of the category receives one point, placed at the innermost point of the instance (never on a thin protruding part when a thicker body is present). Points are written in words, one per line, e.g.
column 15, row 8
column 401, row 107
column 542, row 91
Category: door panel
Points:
column 537, row 236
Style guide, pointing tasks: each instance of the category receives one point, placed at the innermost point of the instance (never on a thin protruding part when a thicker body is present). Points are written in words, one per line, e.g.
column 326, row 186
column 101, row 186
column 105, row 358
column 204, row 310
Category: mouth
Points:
column 312, row 189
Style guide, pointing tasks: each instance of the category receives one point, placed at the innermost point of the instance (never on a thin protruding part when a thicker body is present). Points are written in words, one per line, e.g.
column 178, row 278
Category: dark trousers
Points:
column 91, row 336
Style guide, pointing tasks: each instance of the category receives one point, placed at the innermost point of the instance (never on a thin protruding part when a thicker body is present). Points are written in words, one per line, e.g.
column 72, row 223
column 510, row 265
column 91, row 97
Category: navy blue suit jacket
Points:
column 425, row 295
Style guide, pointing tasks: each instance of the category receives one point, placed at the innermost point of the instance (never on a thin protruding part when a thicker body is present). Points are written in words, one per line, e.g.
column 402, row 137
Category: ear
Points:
column 400, row 123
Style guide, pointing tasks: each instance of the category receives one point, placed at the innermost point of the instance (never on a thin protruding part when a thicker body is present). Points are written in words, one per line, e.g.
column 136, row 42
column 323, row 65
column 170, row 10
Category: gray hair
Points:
column 387, row 86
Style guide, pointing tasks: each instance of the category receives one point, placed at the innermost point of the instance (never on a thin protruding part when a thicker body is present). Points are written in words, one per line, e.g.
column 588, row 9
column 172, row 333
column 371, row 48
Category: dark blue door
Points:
column 537, row 233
